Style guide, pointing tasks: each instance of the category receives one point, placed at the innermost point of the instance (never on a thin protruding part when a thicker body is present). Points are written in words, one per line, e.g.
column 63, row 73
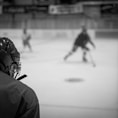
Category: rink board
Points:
column 107, row 33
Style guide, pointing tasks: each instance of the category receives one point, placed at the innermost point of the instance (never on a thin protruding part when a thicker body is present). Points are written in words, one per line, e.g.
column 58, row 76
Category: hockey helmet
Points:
column 9, row 57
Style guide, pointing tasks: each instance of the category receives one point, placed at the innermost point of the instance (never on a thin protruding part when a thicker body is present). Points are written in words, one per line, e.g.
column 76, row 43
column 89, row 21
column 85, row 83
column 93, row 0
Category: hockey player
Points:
column 26, row 37
column 81, row 41
column 17, row 100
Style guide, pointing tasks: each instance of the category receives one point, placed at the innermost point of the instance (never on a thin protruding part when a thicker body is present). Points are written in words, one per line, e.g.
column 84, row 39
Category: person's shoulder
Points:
column 23, row 87
column 27, row 93
column 18, row 89
column 14, row 84
column 80, row 34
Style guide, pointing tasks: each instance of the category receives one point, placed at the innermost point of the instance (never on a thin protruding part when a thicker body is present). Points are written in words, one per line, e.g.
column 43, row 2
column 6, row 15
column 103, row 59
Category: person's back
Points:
column 82, row 39
column 17, row 100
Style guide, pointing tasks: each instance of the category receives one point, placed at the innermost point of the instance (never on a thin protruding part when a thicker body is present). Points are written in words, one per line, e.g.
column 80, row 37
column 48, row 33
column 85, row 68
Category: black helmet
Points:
column 9, row 57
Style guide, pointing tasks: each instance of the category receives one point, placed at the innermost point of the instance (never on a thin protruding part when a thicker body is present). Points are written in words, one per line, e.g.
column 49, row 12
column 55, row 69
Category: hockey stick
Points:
column 92, row 61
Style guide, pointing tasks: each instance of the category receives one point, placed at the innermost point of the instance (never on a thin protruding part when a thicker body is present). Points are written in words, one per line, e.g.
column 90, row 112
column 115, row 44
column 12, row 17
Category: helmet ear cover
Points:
column 5, row 61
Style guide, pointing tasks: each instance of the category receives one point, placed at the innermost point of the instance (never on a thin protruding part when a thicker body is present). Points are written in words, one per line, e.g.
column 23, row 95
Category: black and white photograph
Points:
column 58, row 58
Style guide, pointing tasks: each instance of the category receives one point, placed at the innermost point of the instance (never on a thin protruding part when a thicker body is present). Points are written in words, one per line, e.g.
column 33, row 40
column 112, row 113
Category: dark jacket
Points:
column 16, row 99
column 82, row 39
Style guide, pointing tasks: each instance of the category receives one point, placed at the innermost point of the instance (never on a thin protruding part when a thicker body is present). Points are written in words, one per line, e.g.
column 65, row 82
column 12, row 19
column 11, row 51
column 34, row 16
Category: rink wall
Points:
column 43, row 34
column 59, row 34
column 107, row 33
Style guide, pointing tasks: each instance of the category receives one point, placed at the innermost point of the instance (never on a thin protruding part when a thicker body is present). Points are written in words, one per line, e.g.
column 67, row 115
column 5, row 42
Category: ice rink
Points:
column 72, row 89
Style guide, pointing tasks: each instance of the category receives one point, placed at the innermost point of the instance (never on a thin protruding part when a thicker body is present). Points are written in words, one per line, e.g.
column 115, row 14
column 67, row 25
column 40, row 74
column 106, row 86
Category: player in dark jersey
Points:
column 17, row 100
column 81, row 41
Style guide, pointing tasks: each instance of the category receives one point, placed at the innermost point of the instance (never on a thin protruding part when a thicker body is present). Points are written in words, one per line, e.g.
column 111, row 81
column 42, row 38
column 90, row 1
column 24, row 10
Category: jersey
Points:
column 82, row 39
column 16, row 99
column 26, row 36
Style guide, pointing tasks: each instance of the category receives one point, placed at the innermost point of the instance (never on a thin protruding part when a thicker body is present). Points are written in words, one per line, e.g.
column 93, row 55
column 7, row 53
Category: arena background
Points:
column 67, row 89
